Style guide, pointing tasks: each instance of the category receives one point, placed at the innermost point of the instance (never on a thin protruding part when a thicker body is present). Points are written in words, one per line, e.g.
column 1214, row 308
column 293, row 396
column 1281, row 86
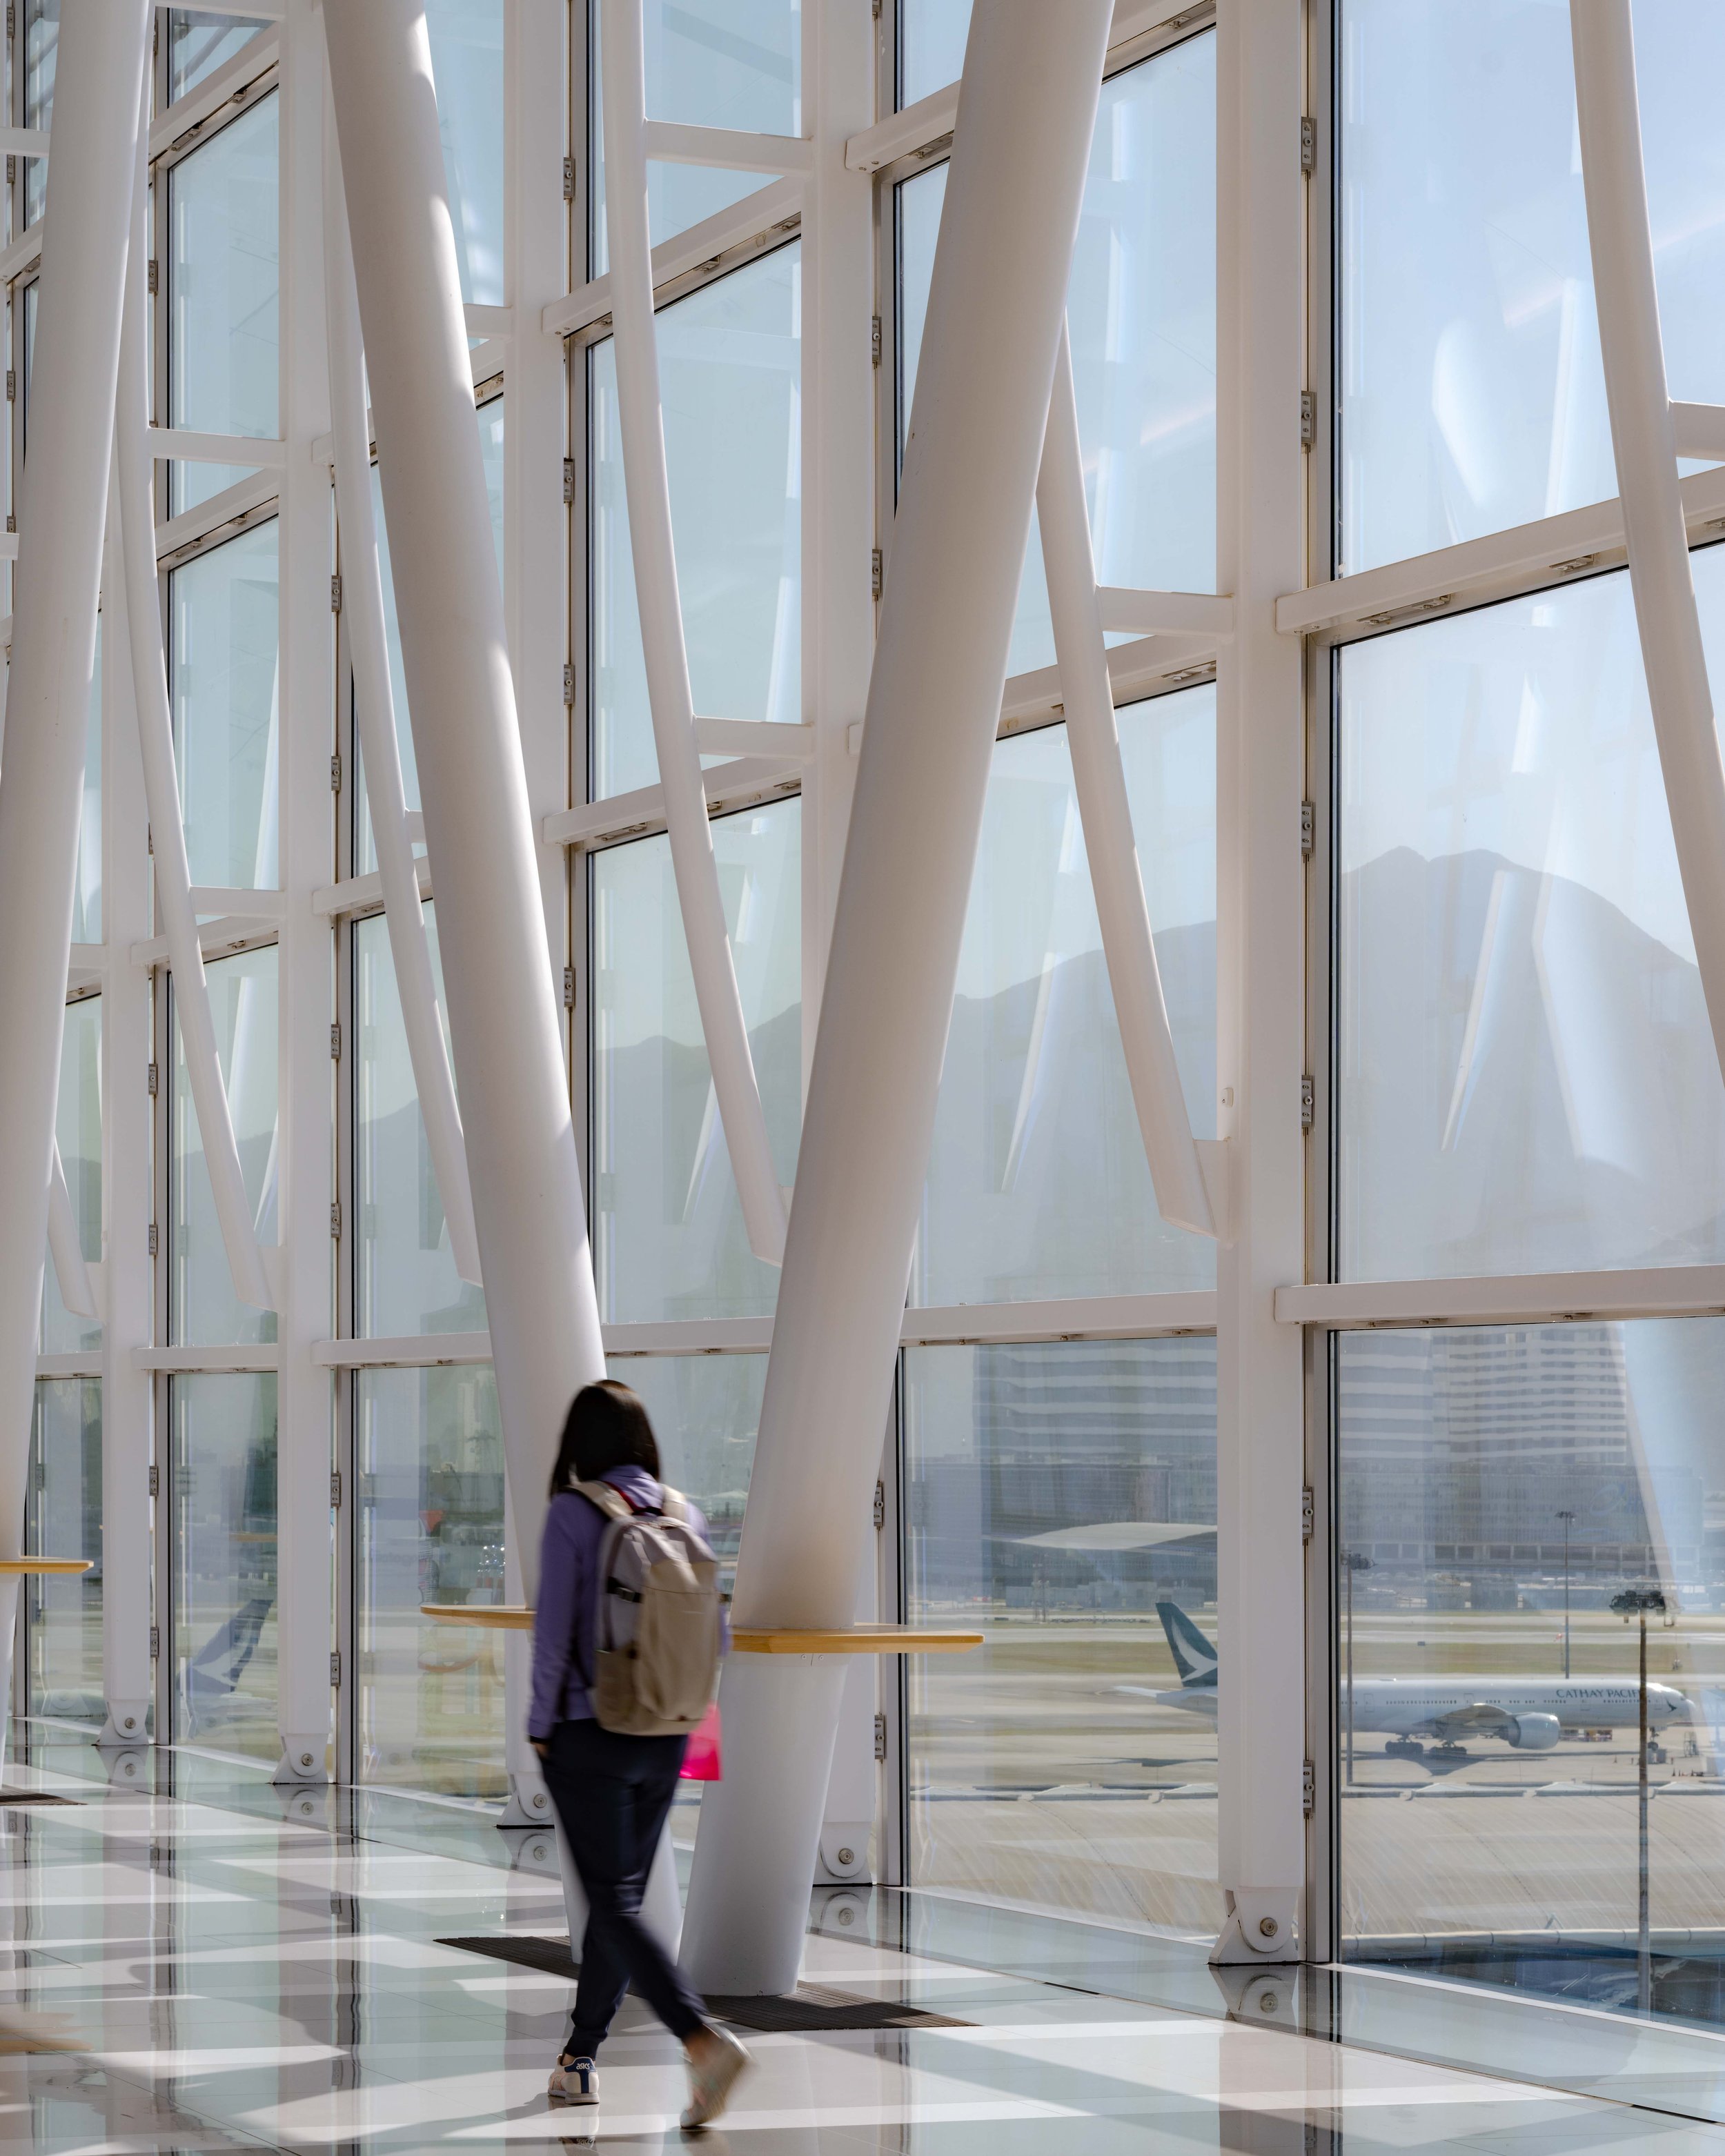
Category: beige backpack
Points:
column 656, row 1618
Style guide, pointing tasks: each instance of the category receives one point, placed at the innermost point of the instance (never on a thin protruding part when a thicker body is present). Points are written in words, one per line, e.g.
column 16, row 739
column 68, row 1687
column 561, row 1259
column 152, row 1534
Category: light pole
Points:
column 1637, row 1602
column 1568, row 1518
column 1353, row 1561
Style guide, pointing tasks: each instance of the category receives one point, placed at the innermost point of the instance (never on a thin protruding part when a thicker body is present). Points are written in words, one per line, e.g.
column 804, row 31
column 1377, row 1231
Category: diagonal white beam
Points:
column 504, row 1018
column 1644, row 440
column 1093, row 735
column 135, row 472
column 1032, row 78
column 62, row 505
column 647, row 488
column 374, row 715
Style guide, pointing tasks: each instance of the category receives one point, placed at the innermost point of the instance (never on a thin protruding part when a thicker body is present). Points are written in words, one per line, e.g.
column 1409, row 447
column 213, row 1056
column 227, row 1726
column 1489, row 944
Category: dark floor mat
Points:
column 33, row 1797
column 810, row 2008
column 552, row 1956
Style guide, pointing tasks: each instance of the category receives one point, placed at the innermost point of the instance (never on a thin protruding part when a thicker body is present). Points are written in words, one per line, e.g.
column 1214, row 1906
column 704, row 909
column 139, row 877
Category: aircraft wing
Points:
column 1479, row 1720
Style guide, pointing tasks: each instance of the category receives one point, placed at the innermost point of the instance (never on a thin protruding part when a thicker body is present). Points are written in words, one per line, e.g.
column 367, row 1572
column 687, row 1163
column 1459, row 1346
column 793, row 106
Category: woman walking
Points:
column 613, row 1787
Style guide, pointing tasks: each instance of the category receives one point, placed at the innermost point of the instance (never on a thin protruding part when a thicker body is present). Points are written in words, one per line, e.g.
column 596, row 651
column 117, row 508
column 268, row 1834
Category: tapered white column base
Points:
column 125, row 1728
column 760, row 1828
column 302, row 1758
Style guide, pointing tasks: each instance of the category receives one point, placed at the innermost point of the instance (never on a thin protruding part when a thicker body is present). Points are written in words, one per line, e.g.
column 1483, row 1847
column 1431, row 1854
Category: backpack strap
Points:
column 673, row 1505
column 610, row 1501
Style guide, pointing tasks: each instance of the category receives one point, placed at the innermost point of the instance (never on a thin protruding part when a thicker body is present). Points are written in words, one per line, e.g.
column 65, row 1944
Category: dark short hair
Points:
column 606, row 1427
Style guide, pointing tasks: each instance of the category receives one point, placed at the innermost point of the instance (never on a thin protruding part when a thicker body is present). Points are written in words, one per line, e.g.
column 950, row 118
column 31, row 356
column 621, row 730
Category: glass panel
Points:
column 223, row 614
column 1499, row 1488
column 78, row 1129
column 197, row 44
column 224, row 1486
column 202, row 1307
column 1142, row 311
column 1061, row 1499
column 63, row 1613
column 728, row 71
column 490, row 434
column 1037, row 1183
column 406, row 1280
column 668, row 1231
column 1528, row 1080
column 87, row 897
column 1472, row 393
column 931, row 45
column 430, row 1529
column 730, row 363
column 41, row 32
column 223, row 336
column 467, row 67
column 706, row 1411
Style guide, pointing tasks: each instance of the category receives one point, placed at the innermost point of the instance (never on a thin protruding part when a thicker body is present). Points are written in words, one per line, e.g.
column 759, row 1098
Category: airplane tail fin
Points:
column 1194, row 1657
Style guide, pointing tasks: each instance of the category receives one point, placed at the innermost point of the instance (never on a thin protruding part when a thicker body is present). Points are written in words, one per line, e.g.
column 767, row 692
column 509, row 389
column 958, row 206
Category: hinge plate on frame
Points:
column 568, row 987
column 877, row 572
column 568, row 478
column 336, row 1043
column 1308, row 418
column 12, row 27
column 335, row 1221
column 569, row 685
column 1308, row 1103
column 11, row 384
column 1308, row 1513
column 879, row 1736
column 154, row 1482
column 153, row 276
column 154, row 1642
column 1308, row 145
column 12, row 171
column 335, row 774
column 874, row 341
column 153, row 1239
column 1308, row 829
column 568, row 179
column 334, row 594
column 335, row 1489
column 1308, row 1788
column 880, row 1506
column 152, row 1079
column 336, row 1670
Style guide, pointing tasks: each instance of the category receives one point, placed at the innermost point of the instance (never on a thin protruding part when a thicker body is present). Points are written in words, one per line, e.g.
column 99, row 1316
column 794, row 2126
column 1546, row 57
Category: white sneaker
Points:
column 710, row 2084
column 574, row 2080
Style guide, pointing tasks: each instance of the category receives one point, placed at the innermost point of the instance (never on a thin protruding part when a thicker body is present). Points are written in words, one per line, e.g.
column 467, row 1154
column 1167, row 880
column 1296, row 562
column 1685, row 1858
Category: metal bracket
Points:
column 1308, row 145
column 1308, row 1103
column 1308, row 1513
column 1308, row 830
column 879, row 1736
column 1308, row 1788
column 1308, row 418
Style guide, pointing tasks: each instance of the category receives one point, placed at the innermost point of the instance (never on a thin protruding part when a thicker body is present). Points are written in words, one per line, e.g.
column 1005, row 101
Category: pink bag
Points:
column 700, row 1762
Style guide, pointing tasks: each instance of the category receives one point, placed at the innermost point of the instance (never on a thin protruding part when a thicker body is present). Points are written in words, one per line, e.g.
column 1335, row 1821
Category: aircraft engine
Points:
column 1534, row 1733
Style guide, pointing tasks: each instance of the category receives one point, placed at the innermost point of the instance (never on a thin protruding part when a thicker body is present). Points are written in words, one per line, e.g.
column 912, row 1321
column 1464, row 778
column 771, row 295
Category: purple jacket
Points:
column 563, row 1622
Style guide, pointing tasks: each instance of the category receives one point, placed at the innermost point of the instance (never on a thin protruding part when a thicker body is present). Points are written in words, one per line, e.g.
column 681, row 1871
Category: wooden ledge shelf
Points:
column 495, row 1616
column 10, row 1567
column 764, row 1640
column 857, row 1640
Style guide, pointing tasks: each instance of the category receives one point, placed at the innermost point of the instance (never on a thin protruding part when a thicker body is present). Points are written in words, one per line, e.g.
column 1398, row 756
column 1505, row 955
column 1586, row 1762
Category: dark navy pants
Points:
column 613, row 1795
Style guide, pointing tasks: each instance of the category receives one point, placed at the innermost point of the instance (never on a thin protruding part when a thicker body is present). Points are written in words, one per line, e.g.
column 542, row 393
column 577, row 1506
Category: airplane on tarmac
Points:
column 1529, row 1713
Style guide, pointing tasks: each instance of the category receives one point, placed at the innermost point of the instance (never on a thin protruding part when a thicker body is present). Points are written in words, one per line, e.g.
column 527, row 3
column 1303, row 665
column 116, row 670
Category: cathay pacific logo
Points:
column 1194, row 1657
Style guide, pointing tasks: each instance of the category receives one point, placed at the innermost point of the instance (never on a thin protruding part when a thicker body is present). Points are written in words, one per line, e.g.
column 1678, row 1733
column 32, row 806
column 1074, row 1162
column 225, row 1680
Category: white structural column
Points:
column 127, row 1198
column 503, row 1016
column 62, row 505
column 1643, row 437
column 838, row 533
column 536, row 578
column 305, row 988
column 161, row 789
column 1259, row 996
column 375, row 718
column 1031, row 81
column 647, row 487
column 1093, row 737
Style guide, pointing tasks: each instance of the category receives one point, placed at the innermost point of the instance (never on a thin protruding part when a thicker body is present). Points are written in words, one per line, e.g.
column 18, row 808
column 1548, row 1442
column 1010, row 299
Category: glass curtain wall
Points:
column 1525, row 1081
column 63, row 1612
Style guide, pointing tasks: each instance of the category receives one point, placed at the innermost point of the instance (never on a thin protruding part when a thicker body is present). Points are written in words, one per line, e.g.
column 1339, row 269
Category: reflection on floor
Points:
column 229, row 1967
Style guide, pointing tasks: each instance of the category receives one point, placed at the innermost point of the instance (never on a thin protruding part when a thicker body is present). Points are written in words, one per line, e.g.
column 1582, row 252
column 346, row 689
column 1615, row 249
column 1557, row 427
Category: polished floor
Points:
column 191, row 1960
